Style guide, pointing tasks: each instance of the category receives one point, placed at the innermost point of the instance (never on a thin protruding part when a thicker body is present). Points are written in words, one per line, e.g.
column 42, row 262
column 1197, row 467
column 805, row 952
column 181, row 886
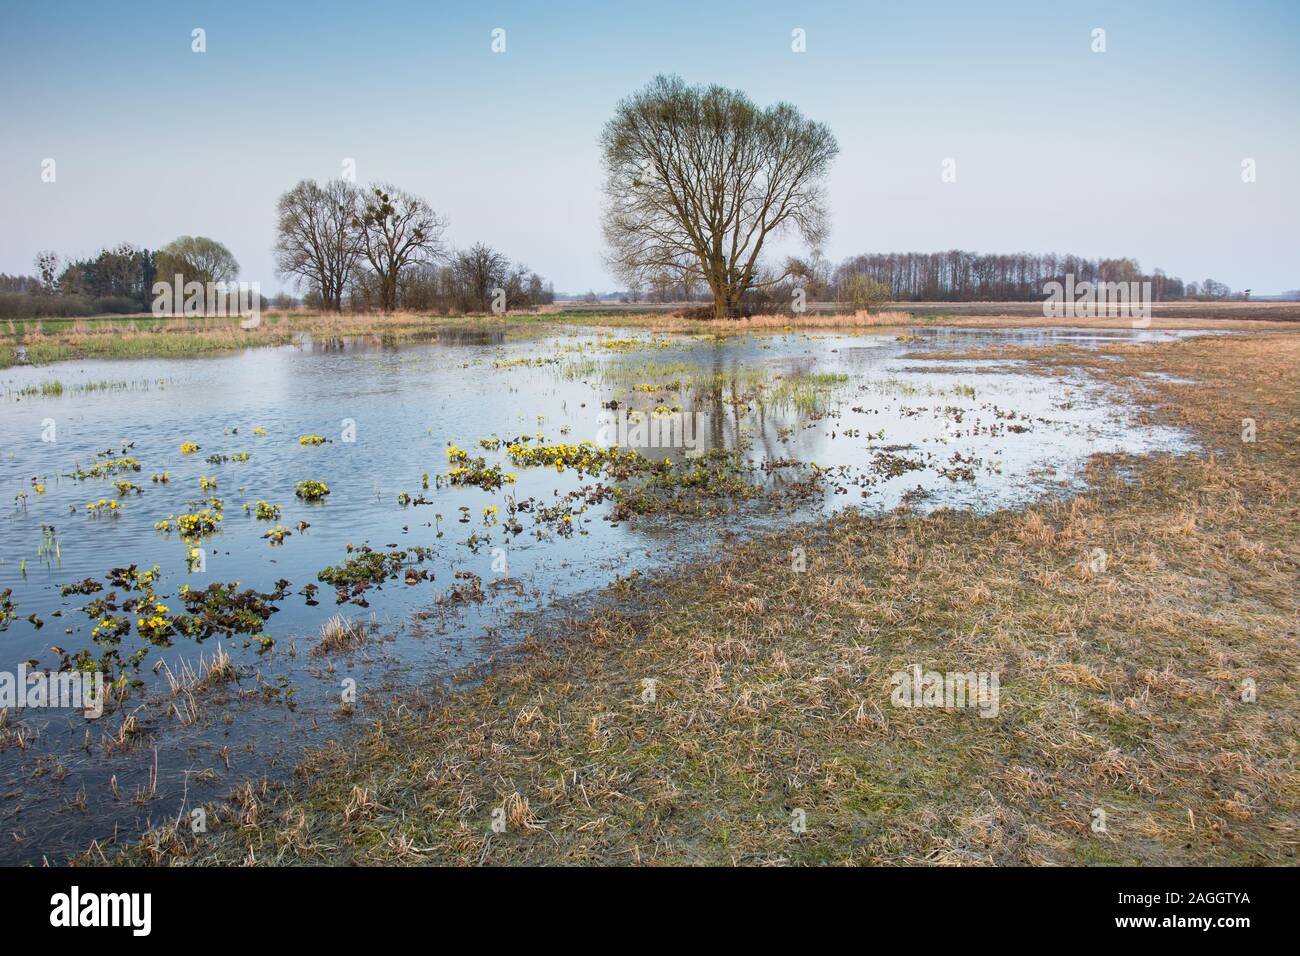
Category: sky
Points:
column 1135, row 151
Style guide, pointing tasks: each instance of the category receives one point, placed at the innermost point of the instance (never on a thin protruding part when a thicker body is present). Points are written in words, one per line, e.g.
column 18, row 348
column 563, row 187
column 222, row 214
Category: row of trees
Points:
column 382, row 248
column 116, row 280
column 960, row 276
column 954, row 276
column 378, row 249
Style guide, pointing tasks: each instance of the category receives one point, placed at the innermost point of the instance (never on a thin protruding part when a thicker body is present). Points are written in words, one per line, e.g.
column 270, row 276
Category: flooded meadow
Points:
column 255, row 548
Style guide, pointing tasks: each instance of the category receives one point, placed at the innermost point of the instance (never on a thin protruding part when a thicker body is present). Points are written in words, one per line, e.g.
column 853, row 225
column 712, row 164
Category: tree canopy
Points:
column 699, row 176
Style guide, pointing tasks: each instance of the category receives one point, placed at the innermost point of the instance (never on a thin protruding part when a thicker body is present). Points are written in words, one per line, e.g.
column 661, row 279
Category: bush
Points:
column 117, row 305
column 24, row 305
column 860, row 293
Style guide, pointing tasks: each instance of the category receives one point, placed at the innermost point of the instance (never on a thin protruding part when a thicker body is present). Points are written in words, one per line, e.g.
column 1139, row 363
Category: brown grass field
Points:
column 1123, row 691
column 53, row 340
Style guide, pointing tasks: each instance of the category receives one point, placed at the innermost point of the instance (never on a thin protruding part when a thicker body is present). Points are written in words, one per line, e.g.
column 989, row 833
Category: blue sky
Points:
column 1136, row 151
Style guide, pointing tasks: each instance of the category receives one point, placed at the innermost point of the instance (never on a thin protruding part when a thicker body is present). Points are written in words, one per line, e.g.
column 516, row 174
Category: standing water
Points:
column 165, row 522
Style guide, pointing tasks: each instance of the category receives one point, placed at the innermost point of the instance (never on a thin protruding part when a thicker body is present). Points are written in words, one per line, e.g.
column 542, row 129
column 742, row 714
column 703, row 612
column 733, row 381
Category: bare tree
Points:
column 315, row 239
column 47, row 267
column 700, row 175
column 478, row 270
column 397, row 230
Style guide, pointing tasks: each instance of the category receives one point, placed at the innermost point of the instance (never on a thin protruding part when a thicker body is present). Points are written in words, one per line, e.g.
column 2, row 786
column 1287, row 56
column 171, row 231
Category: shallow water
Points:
column 971, row 433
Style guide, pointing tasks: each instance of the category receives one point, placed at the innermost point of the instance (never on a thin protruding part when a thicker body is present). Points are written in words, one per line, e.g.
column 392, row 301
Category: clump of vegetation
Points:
column 338, row 634
column 223, row 608
column 370, row 568
column 529, row 361
column 265, row 511
column 713, row 482
column 474, row 471
column 193, row 526
column 888, row 464
column 311, row 490
column 7, row 608
column 86, row 586
column 584, row 457
column 105, row 469
column 277, row 534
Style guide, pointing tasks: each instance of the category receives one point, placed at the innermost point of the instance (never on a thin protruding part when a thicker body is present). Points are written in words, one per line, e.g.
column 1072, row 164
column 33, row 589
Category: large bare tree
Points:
column 315, row 238
column 700, row 176
column 397, row 230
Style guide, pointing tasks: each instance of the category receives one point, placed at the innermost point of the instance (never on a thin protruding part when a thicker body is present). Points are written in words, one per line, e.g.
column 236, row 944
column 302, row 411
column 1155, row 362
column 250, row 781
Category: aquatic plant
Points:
column 311, row 490
column 371, row 568
column 150, row 622
column 104, row 469
column 474, row 471
column 223, row 608
column 7, row 608
column 277, row 534
column 266, row 511
column 530, row 361
column 192, row 526
column 86, row 586
column 131, row 578
column 110, row 629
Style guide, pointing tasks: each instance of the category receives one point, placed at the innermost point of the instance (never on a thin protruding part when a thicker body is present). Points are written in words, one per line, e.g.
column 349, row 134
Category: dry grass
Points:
column 54, row 340
column 1121, row 688
column 339, row 635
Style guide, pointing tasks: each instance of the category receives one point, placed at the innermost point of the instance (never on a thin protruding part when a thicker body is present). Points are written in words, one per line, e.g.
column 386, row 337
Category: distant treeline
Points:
column 117, row 281
column 960, row 276
column 952, row 276
column 377, row 249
